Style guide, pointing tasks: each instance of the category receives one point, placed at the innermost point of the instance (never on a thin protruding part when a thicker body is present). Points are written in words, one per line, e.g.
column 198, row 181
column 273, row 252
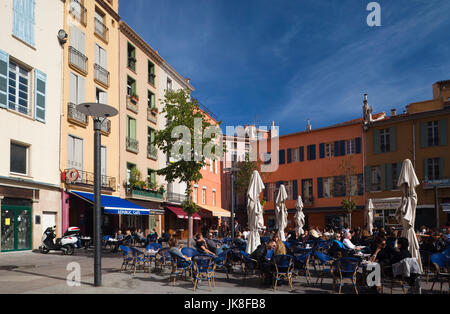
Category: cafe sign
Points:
column 431, row 184
column 386, row 203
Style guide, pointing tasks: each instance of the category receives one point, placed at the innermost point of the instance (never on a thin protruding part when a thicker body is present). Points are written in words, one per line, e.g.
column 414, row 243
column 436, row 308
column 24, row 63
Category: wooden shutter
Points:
column 302, row 153
column 360, row 184
column 81, row 90
column 103, row 160
column 425, row 168
column 443, row 132
column 313, row 152
column 358, row 145
column 423, row 135
column 376, row 142
column 78, row 154
column 281, row 156
column 70, row 151
column 40, row 95
column 322, row 150
column 441, row 168
column 24, row 20
column 320, row 187
column 4, row 66
column 132, row 128
column 367, row 176
column 393, row 135
column 73, row 91
column 388, row 175
column 342, row 148
column 289, row 155
column 336, row 149
column 383, row 177
column 294, row 189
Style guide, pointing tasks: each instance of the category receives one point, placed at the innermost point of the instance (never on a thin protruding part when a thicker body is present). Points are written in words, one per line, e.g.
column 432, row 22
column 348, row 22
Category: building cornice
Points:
column 108, row 9
column 413, row 116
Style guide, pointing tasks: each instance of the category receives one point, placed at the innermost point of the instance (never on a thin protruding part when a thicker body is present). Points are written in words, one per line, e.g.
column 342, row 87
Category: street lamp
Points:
column 99, row 113
column 232, row 171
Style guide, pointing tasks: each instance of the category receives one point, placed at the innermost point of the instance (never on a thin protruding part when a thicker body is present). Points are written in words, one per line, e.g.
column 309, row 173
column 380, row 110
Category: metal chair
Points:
column 323, row 261
column 140, row 259
column 203, row 267
column 189, row 252
column 127, row 257
column 301, row 261
column 163, row 258
column 180, row 266
column 441, row 264
column 283, row 269
column 347, row 268
column 250, row 265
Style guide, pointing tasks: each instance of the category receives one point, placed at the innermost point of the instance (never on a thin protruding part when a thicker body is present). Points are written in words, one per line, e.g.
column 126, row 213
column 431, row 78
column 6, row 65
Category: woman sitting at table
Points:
column 280, row 249
column 175, row 249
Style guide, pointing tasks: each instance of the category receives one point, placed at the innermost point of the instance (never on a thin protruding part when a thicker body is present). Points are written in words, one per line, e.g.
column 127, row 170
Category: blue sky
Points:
column 291, row 60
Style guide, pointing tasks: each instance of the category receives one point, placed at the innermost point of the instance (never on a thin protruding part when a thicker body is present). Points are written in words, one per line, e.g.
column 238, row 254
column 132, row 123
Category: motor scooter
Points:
column 66, row 244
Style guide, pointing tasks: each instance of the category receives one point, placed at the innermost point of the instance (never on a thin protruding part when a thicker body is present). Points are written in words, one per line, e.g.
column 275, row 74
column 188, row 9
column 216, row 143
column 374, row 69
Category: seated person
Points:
column 140, row 236
column 213, row 245
column 337, row 246
column 280, row 249
column 201, row 245
column 175, row 249
column 164, row 238
column 260, row 254
column 401, row 252
column 381, row 253
column 348, row 244
column 152, row 236
column 238, row 241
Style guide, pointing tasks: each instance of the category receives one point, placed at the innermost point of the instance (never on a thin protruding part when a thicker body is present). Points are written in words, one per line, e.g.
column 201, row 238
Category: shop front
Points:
column 384, row 210
column 212, row 217
column 176, row 222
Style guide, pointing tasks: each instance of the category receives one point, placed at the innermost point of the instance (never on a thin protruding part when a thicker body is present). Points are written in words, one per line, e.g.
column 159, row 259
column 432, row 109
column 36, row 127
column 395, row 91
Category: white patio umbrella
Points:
column 299, row 217
column 406, row 213
column 254, row 212
column 281, row 212
column 369, row 216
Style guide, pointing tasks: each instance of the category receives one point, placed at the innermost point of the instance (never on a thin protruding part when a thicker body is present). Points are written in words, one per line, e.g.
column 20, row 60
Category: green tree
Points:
column 186, row 148
column 348, row 170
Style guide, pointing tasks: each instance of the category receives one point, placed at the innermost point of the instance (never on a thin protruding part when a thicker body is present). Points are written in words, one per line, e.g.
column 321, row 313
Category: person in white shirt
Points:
column 348, row 244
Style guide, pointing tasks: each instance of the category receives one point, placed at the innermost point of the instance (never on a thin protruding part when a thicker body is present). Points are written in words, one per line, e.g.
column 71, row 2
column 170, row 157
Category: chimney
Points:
column 394, row 112
column 188, row 80
column 308, row 126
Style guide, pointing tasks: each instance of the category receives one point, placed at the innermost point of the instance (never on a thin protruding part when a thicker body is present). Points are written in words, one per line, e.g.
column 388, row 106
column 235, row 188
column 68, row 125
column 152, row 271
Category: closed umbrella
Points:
column 254, row 212
column 299, row 217
column 369, row 216
column 281, row 212
column 406, row 213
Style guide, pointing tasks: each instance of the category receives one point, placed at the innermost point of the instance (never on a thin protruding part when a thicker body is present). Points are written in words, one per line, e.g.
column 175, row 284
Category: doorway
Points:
column 15, row 228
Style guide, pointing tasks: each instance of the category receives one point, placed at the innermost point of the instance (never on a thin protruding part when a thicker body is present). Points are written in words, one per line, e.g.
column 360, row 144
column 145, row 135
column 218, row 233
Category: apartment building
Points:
column 30, row 108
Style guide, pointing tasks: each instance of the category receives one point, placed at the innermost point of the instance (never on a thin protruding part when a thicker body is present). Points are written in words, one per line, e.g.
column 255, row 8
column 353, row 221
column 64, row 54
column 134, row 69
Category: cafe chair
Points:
column 180, row 266
column 283, row 269
column 203, row 267
column 301, row 261
column 127, row 257
column 347, row 268
column 441, row 265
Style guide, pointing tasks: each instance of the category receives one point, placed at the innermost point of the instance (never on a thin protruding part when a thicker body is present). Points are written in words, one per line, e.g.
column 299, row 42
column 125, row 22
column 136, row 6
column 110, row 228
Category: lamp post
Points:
column 232, row 171
column 99, row 113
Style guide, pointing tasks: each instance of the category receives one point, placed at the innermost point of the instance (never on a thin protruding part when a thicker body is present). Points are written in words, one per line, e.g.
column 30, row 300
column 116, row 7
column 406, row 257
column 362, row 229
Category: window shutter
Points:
column 376, row 142
column 388, row 177
column 360, row 185
column 133, row 128
column 302, row 153
column 320, row 187
column 40, row 95
column 303, row 189
column 70, row 151
column 4, row 66
column 423, row 135
column 383, row 177
column 78, row 153
column 443, row 131
column 312, row 152
column 97, row 54
column 295, row 189
column 358, row 145
column 81, row 90
column 265, row 192
column 336, row 149
column 367, row 176
column 342, row 148
column 399, row 169
column 73, row 89
column 289, row 155
column 23, row 20
column 441, row 168
column 282, row 156
column 425, row 168
column 322, row 150
column 393, row 138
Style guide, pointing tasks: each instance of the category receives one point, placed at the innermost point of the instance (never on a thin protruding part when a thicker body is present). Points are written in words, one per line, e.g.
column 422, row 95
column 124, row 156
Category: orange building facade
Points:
column 324, row 167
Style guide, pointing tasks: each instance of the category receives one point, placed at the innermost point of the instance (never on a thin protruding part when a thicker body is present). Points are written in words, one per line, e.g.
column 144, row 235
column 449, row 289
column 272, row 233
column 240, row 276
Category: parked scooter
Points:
column 66, row 244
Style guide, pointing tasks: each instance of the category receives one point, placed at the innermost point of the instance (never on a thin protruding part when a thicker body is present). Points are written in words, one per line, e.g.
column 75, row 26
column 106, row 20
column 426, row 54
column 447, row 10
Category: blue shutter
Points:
column 40, row 95
column 443, row 131
column 313, row 152
column 302, row 153
column 320, row 187
column 336, row 149
column 295, row 189
column 289, row 155
column 393, row 132
column 423, row 135
column 376, row 142
column 322, row 150
column 342, row 148
column 282, row 157
column 358, row 145
column 24, row 20
column 4, row 66
column 308, row 152
column 367, row 176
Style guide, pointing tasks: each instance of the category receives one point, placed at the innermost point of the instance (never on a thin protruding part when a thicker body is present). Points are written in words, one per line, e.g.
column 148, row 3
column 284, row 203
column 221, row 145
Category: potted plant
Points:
column 154, row 110
column 134, row 97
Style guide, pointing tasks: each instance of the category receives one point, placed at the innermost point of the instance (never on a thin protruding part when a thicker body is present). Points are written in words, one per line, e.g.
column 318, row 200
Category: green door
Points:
column 15, row 228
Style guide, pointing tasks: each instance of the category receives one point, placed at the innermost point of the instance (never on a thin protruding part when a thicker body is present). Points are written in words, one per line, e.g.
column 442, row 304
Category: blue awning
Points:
column 117, row 205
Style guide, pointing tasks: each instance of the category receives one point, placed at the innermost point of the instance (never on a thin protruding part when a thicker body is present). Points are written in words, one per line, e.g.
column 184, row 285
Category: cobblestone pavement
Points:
column 33, row 272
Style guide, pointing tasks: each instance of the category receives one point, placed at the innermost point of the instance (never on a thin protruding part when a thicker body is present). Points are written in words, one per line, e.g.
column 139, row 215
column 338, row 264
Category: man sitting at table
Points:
column 348, row 244
column 337, row 246
column 201, row 245
column 260, row 254
column 213, row 245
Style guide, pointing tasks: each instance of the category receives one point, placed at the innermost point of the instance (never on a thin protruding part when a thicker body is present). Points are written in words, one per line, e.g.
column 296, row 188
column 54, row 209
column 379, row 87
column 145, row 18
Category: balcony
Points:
column 101, row 30
column 106, row 127
column 132, row 103
column 144, row 194
column 152, row 115
column 74, row 116
column 175, row 197
column 132, row 145
column 78, row 11
column 78, row 60
column 152, row 153
column 86, row 179
column 101, row 75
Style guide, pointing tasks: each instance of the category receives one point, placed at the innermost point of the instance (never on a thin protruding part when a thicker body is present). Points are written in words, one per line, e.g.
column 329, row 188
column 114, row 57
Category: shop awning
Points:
column 446, row 207
column 117, row 205
column 181, row 213
column 216, row 211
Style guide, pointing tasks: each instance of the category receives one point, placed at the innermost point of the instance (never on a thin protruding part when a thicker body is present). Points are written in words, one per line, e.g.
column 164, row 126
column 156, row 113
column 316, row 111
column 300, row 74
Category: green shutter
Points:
column 443, row 132
column 4, row 66
column 367, row 176
column 133, row 128
column 388, row 177
column 425, row 168
column 383, row 177
column 397, row 176
column 441, row 168
column 393, row 132
column 40, row 95
column 376, row 142
column 423, row 135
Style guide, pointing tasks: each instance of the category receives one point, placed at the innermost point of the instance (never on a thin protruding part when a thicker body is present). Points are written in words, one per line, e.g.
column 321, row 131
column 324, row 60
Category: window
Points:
column 75, row 152
column 18, row 158
column 350, row 146
column 234, row 157
column 270, row 192
column 339, row 186
column 289, row 190
column 396, row 168
column 214, row 198
column 101, row 96
column 194, row 197
column 353, row 188
column 295, row 155
column 100, row 27
column 204, row 195
column 131, row 142
column 151, row 73
column 19, row 89
column 433, row 168
column 131, row 53
column 103, row 165
column 77, row 89
column 151, row 100
column 329, row 150
column 169, row 84
column 267, row 158
column 385, row 140
column 131, row 87
column 100, row 56
column 328, row 187
column 23, row 20
column 433, row 133
column 130, row 167
column 376, row 178
column 307, row 190
column 150, row 142
column 215, row 166
column 151, row 178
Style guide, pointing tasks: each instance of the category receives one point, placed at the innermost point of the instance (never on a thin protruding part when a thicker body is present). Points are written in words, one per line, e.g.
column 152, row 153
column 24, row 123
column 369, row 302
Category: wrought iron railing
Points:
column 106, row 126
column 75, row 115
column 77, row 59
column 175, row 197
column 132, row 144
column 101, row 30
column 101, row 74
column 86, row 179
column 78, row 11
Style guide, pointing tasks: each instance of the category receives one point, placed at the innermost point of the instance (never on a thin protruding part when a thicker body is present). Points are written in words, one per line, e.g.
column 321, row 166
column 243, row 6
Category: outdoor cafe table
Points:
column 86, row 242
column 112, row 243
